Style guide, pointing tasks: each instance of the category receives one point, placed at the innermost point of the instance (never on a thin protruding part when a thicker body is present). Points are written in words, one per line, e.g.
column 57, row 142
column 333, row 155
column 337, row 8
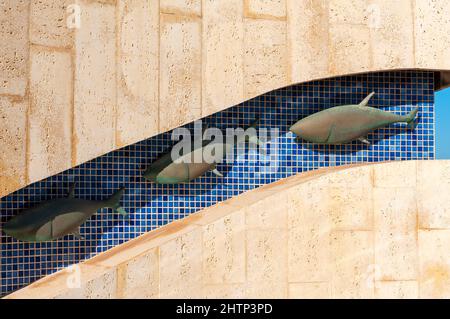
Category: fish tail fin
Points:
column 411, row 118
column 114, row 202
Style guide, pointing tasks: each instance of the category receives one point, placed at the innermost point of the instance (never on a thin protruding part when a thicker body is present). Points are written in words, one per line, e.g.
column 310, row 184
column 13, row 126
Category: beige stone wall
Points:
column 135, row 68
column 369, row 231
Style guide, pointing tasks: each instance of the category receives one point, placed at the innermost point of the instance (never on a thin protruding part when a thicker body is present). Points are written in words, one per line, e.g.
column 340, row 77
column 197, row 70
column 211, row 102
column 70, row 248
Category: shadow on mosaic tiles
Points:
column 151, row 206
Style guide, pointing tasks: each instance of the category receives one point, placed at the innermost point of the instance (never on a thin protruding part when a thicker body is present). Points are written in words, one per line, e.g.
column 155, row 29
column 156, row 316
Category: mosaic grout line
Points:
column 152, row 206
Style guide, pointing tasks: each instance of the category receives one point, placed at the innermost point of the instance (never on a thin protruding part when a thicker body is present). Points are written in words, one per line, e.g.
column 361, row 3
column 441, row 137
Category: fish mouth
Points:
column 295, row 130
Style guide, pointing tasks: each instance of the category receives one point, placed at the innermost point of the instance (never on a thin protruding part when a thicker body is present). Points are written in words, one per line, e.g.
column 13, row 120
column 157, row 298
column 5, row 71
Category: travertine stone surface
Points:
column 431, row 27
column 433, row 208
column 138, row 71
column 50, row 116
column 265, row 9
column 224, row 250
column 351, row 208
column 95, row 81
column 352, row 250
column 180, row 267
column 180, row 70
column 309, row 232
column 434, row 259
column 12, row 143
column 237, row 249
column 143, row 67
column 14, row 49
column 392, row 44
column 309, row 290
column 405, row 175
column 48, row 23
column 139, row 277
column 349, row 49
column 269, row 70
column 307, row 26
column 395, row 224
column 223, row 44
column 182, row 7
column 397, row 289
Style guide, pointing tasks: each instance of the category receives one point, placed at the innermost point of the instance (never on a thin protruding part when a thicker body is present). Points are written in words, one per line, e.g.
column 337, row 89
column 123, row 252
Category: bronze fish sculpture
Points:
column 57, row 218
column 346, row 123
column 165, row 170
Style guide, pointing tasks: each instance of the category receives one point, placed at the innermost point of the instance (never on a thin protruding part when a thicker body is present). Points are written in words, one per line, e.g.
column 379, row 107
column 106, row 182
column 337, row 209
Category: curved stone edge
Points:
column 359, row 231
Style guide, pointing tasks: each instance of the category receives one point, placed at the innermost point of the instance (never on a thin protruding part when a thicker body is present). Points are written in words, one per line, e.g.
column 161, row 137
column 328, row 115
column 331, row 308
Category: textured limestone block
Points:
column 138, row 90
column 309, row 290
column 432, row 33
column 307, row 27
column 434, row 259
column 266, row 263
column 265, row 57
column 348, row 12
column 180, row 266
column 350, row 49
column 95, row 81
column 354, row 177
column 51, row 96
column 182, row 7
column 49, row 23
column 351, row 208
column 266, row 255
column 99, row 286
column 224, row 291
column 265, row 9
column 102, row 287
column 266, row 290
column 397, row 289
column 433, row 206
column 12, row 144
column 223, row 46
column 395, row 174
column 353, row 270
column 395, row 226
column 139, row 277
column 269, row 213
column 224, row 250
column 391, row 33
column 180, row 71
column 14, row 49
column 309, row 229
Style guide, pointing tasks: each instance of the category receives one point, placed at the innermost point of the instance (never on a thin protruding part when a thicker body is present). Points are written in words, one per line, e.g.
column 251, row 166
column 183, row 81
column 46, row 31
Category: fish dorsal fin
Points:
column 367, row 99
column 71, row 191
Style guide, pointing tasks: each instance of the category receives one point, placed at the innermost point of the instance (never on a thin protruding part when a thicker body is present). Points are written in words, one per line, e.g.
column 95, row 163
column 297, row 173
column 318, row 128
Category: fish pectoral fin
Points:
column 77, row 235
column 367, row 99
column 122, row 211
column 330, row 133
column 364, row 140
column 215, row 171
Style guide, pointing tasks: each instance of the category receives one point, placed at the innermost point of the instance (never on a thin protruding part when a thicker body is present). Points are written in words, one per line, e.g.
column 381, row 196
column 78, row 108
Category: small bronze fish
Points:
column 346, row 123
column 57, row 218
column 165, row 170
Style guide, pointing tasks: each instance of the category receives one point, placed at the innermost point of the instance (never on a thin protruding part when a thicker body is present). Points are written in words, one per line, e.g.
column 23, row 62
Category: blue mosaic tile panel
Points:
column 151, row 206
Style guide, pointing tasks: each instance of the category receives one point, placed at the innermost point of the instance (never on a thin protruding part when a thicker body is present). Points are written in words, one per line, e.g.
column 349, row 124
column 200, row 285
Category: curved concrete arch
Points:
column 80, row 78
column 360, row 231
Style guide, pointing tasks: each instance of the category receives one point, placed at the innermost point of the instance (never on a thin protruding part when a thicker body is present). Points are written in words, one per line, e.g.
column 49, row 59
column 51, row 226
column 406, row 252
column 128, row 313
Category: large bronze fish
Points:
column 57, row 218
column 165, row 170
column 346, row 123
